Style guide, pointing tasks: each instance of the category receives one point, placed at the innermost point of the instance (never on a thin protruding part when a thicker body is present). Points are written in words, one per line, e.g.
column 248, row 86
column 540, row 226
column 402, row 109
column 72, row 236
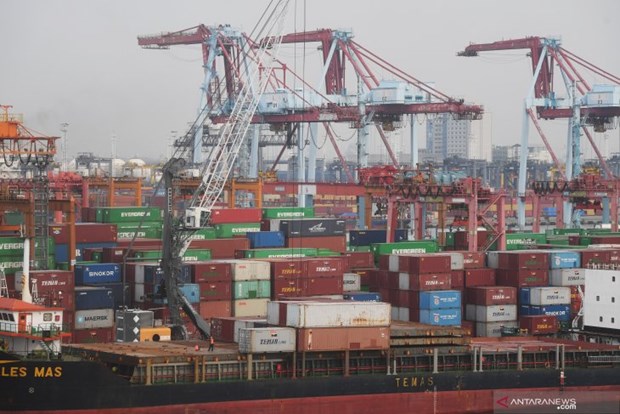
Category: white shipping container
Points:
column 245, row 324
column 94, row 318
column 273, row 313
column 493, row 259
column 403, row 281
column 138, row 292
column 549, row 295
column 274, row 224
column 601, row 302
column 457, row 261
column 493, row 329
column 250, row 307
column 403, row 314
column 272, row 339
column 394, row 313
column 496, row 313
column 325, row 314
column 351, row 282
column 250, row 269
column 393, row 265
column 567, row 277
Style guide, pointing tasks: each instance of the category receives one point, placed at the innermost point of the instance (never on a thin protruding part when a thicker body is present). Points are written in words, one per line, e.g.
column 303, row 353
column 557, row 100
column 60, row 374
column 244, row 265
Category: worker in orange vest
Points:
column 211, row 343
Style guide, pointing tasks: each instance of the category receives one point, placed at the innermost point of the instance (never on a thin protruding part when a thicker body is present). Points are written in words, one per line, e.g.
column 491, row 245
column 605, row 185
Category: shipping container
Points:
column 94, row 318
column 561, row 312
column 265, row 239
column 323, row 267
column 522, row 277
column 287, row 212
column 155, row 334
column 235, row 215
column 332, row 314
column 480, row 277
column 343, row 338
column 368, row 237
column 215, row 290
column 351, row 282
column 251, row 289
column 130, row 321
column 336, row 244
column 215, row 308
column 405, row 247
column 564, row 259
column 457, row 278
column 592, row 257
column 222, row 248
column 567, row 277
column 96, row 274
column 492, row 313
column 250, row 307
column 283, row 287
column 494, row 329
column 121, row 293
column 152, row 273
column 425, row 281
column 313, row 286
column 84, row 233
column 128, row 214
column 278, row 253
column 285, row 268
column 89, row 336
column 191, row 291
column 457, row 261
column 527, row 259
column 539, row 324
column 271, row 339
column 362, row 296
column 441, row 317
column 492, row 295
column 543, row 296
column 87, row 297
column 312, row 227
column 440, row 299
column 47, row 280
column 362, row 260
column 229, row 230
column 211, row 271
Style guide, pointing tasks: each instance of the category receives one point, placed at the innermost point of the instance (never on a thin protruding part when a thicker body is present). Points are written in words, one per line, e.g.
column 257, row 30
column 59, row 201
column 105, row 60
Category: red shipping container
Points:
column 285, row 268
column 424, row 263
column 539, row 324
column 461, row 240
column 393, row 280
column 321, row 286
column 473, row 260
column 84, row 233
column 480, row 277
column 430, row 281
column 414, row 313
column 89, row 252
column 360, row 260
column 384, row 262
column 401, row 298
column 458, row 279
column 614, row 256
column 595, row 256
column 236, row 215
column 99, row 335
column 522, row 277
column 605, row 239
column 223, row 328
column 209, row 271
column 468, row 327
column 379, row 279
column 53, row 280
column 491, row 295
column 215, row 290
column 334, row 243
column 523, row 260
column 222, row 248
column 323, row 267
column 112, row 254
column 283, row 287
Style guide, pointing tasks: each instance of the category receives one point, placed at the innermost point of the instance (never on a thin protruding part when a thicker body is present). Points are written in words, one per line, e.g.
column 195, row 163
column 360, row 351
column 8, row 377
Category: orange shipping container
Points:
column 342, row 339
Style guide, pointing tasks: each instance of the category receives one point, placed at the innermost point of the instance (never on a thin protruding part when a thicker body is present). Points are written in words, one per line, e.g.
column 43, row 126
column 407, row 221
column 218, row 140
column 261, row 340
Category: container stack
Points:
column 251, row 287
column 139, row 222
column 214, row 280
column 106, row 275
column 492, row 308
column 12, row 257
column 357, row 266
column 566, row 271
column 320, row 233
column 235, row 222
column 93, row 316
column 334, row 325
column 546, row 301
column 527, row 268
column 226, row 329
column 440, row 307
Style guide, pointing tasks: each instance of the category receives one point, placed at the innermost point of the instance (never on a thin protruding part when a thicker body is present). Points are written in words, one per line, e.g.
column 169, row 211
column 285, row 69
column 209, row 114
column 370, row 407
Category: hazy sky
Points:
column 78, row 61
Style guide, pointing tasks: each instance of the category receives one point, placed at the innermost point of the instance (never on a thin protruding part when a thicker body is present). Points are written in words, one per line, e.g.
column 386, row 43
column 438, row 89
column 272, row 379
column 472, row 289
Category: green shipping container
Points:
column 326, row 253
column 12, row 264
column 14, row 246
column 191, row 255
column 404, row 247
column 13, row 218
column 228, row 230
column 279, row 253
column 135, row 225
column 205, row 233
column 153, row 233
column 358, row 248
column 520, row 241
column 288, row 212
column 251, row 289
column 128, row 214
column 563, row 232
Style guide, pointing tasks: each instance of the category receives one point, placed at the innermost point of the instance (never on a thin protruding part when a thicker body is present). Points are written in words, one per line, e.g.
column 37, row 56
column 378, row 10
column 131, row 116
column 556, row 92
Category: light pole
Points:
column 64, row 127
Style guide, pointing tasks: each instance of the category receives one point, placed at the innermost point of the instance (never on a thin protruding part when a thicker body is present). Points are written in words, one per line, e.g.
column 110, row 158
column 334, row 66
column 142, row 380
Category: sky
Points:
column 78, row 62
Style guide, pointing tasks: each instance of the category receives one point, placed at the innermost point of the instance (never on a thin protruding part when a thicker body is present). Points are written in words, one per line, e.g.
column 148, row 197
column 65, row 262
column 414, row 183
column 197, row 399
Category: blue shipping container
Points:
column 265, row 239
column 441, row 317
column 368, row 237
column 97, row 274
column 87, row 297
column 564, row 260
column 440, row 299
column 562, row 312
column 118, row 290
column 153, row 274
column 61, row 251
column 362, row 296
column 191, row 291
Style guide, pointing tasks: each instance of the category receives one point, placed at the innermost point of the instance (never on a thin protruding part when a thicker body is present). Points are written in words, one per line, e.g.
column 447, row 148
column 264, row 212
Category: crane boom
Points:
column 217, row 169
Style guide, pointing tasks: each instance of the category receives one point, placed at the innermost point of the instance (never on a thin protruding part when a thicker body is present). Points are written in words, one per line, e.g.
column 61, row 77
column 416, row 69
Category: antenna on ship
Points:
column 26, row 296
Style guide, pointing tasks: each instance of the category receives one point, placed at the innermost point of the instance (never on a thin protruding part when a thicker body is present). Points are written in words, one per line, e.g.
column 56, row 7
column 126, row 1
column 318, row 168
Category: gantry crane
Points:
column 595, row 105
column 217, row 169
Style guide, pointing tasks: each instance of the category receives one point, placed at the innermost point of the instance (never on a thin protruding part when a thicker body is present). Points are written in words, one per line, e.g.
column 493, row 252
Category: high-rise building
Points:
column 447, row 137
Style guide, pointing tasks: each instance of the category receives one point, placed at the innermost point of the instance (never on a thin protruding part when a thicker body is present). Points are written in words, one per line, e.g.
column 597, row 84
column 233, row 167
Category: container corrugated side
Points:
column 250, row 307
column 342, row 339
column 343, row 314
column 567, row 277
column 493, row 313
column 94, row 318
column 272, row 339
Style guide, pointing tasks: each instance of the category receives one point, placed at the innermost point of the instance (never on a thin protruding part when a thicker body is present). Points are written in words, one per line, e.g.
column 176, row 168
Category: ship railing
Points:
column 8, row 327
column 604, row 359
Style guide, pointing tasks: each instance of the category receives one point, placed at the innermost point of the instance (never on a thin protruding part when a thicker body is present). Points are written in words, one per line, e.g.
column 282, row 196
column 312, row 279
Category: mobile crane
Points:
column 216, row 170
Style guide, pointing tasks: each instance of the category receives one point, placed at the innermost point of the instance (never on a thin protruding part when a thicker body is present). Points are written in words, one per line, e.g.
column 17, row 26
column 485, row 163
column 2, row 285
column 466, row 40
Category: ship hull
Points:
column 88, row 387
